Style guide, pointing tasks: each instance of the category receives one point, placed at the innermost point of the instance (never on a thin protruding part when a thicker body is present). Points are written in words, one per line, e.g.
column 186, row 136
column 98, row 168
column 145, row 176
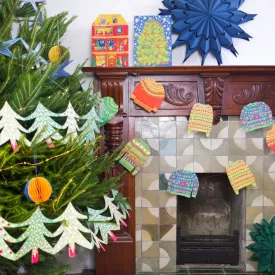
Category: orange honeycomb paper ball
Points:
column 38, row 190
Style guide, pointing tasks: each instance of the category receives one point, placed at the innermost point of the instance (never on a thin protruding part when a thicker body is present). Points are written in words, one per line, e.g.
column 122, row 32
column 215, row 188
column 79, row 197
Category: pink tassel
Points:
column 124, row 223
column 35, row 256
column 114, row 237
column 129, row 216
column 72, row 251
column 14, row 146
column 101, row 246
column 50, row 142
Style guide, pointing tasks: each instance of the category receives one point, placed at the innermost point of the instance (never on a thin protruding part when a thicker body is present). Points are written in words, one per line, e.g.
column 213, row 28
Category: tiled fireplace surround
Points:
column 172, row 148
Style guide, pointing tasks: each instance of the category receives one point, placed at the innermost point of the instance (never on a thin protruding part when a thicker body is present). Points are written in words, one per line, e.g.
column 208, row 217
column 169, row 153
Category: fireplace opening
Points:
column 211, row 226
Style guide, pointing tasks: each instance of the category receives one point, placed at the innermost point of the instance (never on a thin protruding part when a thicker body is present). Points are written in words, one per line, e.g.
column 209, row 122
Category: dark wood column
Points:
column 119, row 258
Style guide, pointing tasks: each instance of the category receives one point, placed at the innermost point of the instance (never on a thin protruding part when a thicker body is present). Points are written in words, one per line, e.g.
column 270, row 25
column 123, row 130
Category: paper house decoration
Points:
column 110, row 42
column 153, row 41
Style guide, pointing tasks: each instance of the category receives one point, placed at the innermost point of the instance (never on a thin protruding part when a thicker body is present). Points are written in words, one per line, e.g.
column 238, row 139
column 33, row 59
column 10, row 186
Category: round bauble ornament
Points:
column 58, row 53
column 38, row 190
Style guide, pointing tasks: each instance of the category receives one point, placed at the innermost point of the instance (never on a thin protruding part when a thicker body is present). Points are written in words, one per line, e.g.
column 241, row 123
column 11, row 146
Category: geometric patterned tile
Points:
column 168, row 147
column 167, row 129
column 150, row 181
column 168, row 232
column 168, row 215
column 150, row 232
column 150, row 127
column 254, row 146
column 167, row 264
column 254, row 198
column 269, row 181
column 150, row 264
column 167, row 249
column 163, row 181
column 150, row 249
column 220, row 147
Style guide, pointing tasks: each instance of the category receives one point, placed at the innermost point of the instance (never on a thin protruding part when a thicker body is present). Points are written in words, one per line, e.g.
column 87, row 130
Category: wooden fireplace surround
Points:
column 227, row 89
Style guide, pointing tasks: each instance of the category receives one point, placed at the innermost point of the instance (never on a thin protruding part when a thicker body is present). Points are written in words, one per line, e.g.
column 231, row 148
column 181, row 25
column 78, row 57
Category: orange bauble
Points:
column 38, row 190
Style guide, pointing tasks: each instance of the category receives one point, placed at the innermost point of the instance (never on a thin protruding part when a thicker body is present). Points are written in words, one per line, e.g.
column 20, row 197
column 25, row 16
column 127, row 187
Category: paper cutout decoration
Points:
column 207, row 26
column 70, row 229
column 61, row 72
column 149, row 94
column 5, row 250
column 34, row 236
column 90, row 126
column 44, row 125
column 264, row 246
column 38, row 190
column 201, row 119
column 134, row 155
column 4, row 47
column 71, row 122
column 270, row 138
column 122, row 203
column 256, row 115
column 110, row 41
column 239, row 175
column 33, row 3
column 153, row 41
column 107, row 110
column 11, row 128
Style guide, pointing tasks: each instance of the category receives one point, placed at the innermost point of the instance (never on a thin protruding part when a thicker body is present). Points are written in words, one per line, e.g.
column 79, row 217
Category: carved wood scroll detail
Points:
column 177, row 96
column 258, row 92
column 214, row 90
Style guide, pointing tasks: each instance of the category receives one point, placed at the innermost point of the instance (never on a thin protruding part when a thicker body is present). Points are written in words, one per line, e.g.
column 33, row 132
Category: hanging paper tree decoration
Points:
column 33, row 3
column 38, row 190
column 264, row 246
column 71, row 122
column 90, row 126
column 207, row 26
column 5, row 250
column 44, row 125
column 70, row 230
column 34, row 236
column 121, row 203
column 11, row 128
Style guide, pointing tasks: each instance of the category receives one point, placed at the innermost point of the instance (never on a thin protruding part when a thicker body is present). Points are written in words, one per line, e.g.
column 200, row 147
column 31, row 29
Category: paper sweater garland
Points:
column 149, row 95
column 134, row 155
column 45, row 128
column 110, row 41
column 239, row 175
column 270, row 138
column 183, row 183
column 108, row 109
column 153, row 41
column 11, row 129
column 255, row 116
column 201, row 119
column 207, row 26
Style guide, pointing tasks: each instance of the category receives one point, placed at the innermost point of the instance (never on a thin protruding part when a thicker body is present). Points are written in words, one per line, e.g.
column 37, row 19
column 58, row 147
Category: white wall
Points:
column 260, row 51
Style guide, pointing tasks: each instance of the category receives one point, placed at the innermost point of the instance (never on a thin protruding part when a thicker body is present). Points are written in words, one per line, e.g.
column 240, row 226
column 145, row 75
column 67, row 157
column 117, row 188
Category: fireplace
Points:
column 209, row 227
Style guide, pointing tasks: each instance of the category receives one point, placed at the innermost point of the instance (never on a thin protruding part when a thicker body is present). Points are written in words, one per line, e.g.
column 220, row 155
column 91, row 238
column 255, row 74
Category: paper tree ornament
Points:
column 38, row 190
column 106, row 229
column 121, row 203
column 207, row 26
column 34, row 236
column 71, row 122
column 33, row 3
column 90, row 126
column 108, row 109
column 110, row 42
column 134, row 155
column 11, row 128
column 270, row 138
column 264, row 246
column 5, row 250
column 44, row 125
column 153, row 41
column 70, row 229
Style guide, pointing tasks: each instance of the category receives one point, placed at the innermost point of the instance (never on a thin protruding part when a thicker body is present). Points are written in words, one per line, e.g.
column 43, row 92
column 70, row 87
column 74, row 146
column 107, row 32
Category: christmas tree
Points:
column 152, row 45
column 75, row 171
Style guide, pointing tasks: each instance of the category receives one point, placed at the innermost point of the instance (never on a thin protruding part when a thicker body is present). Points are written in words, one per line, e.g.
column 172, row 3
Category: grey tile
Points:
column 236, row 130
column 269, row 164
column 254, row 146
column 259, row 181
column 185, row 163
column 168, row 164
column 154, row 146
column 220, row 130
column 202, row 147
column 138, row 128
column 185, row 147
column 269, row 181
column 233, row 158
column 163, row 181
column 167, row 129
column 150, row 127
column 259, row 133
column 220, row 147
column 255, row 163
column 218, row 164
column 254, row 198
column 182, row 118
column 236, row 146
column 150, row 181
column 168, row 118
column 202, row 164
column 152, row 165
column 168, row 147
column 182, row 130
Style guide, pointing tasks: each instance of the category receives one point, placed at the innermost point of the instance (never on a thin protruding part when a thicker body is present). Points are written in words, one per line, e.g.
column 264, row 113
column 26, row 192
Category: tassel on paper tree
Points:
column 72, row 250
column 35, row 256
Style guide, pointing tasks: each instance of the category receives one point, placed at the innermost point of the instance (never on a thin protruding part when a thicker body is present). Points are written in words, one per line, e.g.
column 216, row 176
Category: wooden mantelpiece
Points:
column 227, row 89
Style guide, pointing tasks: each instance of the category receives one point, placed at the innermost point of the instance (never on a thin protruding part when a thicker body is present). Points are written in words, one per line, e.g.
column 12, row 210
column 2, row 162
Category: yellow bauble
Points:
column 58, row 53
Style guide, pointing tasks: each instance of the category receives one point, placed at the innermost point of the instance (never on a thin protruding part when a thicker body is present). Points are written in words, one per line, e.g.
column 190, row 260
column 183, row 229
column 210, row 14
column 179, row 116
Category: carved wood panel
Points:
column 181, row 93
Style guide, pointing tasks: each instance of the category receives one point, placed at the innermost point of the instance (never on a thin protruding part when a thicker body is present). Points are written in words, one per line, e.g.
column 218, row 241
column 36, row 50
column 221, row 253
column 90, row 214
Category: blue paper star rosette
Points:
column 207, row 26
